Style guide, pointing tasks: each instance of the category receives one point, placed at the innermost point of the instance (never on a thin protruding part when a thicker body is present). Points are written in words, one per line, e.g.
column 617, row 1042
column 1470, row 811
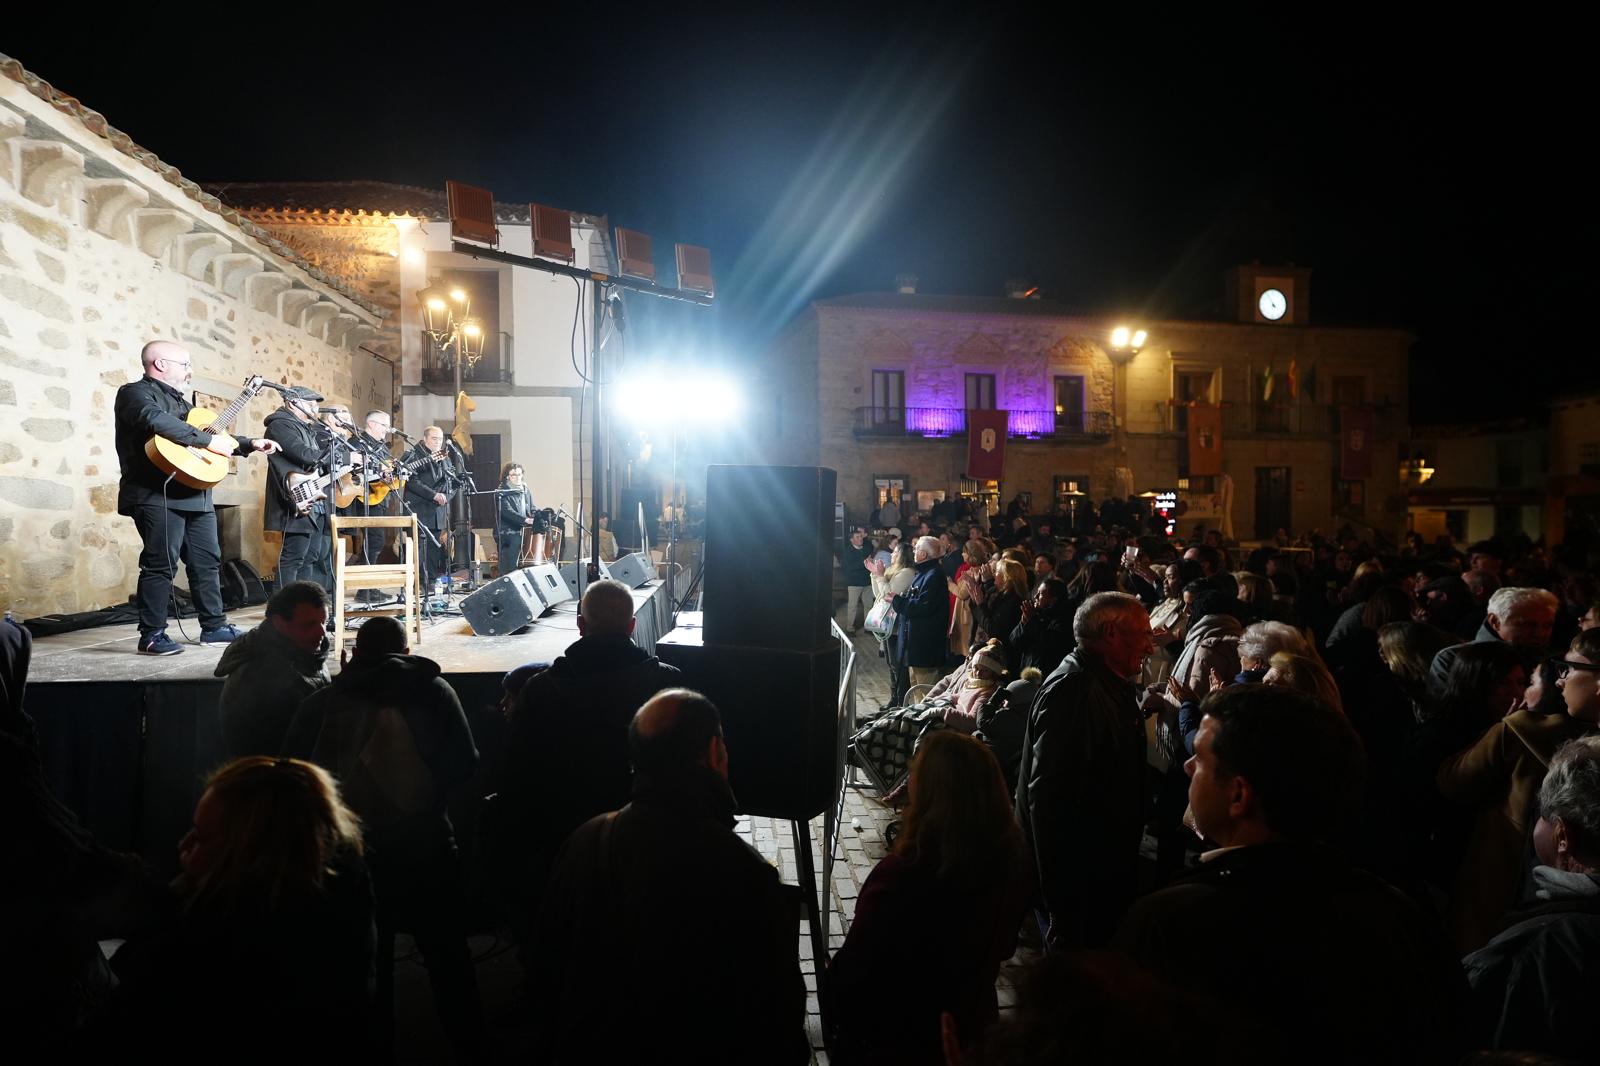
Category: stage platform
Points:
column 127, row 739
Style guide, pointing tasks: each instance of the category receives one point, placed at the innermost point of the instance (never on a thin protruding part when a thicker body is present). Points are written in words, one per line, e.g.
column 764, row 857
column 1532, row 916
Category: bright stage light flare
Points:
column 680, row 399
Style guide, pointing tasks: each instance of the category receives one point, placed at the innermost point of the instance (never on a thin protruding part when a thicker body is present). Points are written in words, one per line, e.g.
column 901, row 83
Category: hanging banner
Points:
column 1205, row 440
column 986, row 444
column 1356, row 425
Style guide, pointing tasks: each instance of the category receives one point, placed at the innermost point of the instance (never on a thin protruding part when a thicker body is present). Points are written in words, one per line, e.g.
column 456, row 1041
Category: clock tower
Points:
column 1268, row 295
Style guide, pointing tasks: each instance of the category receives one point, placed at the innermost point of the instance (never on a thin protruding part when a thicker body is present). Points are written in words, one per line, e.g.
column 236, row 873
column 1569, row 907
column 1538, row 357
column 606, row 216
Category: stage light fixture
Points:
column 694, row 269
column 552, row 232
column 633, row 255
column 471, row 214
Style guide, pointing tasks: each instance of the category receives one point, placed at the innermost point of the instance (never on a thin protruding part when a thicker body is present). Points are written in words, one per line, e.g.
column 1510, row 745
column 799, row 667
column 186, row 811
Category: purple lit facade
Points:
column 949, row 421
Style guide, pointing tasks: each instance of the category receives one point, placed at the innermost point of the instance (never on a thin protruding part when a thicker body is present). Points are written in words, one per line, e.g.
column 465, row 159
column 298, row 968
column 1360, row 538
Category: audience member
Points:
column 1081, row 780
column 937, row 916
column 967, row 582
column 1001, row 610
column 923, row 617
column 661, row 929
column 1520, row 617
column 887, row 583
column 1274, row 923
column 853, row 556
column 1043, row 636
column 273, row 667
column 1303, row 673
column 393, row 732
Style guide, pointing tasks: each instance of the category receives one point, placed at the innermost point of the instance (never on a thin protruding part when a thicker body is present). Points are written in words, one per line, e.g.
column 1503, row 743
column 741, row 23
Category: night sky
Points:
column 1433, row 181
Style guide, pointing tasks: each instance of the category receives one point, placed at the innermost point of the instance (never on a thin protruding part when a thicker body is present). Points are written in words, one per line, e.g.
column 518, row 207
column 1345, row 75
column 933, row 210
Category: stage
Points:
column 128, row 738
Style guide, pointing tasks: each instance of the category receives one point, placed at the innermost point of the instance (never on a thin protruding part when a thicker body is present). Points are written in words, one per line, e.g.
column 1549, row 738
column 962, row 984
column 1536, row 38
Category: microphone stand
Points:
column 405, row 505
column 463, row 526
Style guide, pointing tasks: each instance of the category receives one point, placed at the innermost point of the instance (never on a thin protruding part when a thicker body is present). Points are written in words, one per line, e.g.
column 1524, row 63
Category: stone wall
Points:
column 96, row 258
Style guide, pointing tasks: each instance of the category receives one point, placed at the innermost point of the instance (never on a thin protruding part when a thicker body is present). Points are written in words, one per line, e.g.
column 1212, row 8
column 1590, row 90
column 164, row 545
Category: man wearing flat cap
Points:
column 303, row 446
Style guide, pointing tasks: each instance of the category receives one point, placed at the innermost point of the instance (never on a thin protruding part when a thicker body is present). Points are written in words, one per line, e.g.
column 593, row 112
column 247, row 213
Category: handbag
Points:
column 881, row 619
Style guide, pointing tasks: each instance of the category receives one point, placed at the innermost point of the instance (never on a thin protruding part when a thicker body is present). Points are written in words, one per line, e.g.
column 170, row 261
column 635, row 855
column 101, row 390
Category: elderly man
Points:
column 172, row 519
column 1521, row 617
column 1080, row 787
column 427, row 497
column 1326, row 962
column 661, row 928
column 923, row 613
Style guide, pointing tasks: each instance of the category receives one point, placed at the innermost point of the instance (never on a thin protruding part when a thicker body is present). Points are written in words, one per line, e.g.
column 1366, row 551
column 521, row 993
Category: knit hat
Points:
column 992, row 657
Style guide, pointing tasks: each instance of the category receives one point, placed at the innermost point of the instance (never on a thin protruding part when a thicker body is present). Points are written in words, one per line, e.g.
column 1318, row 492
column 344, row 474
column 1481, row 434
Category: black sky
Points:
column 1433, row 180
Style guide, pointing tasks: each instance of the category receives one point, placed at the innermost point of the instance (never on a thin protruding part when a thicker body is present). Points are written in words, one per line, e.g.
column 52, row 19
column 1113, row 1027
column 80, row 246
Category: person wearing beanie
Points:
column 987, row 670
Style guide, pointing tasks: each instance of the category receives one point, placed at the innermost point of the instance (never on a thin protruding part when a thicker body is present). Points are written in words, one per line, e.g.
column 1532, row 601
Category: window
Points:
column 889, row 489
column 1189, row 386
column 888, row 397
column 980, row 392
column 1349, row 497
column 1069, row 403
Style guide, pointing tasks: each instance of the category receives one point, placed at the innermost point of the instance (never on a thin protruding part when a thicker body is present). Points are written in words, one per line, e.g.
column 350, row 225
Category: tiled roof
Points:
column 96, row 123
column 382, row 198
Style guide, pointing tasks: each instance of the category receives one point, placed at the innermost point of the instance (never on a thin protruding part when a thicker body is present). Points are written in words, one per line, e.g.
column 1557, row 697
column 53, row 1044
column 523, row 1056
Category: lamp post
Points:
column 1125, row 343
column 458, row 336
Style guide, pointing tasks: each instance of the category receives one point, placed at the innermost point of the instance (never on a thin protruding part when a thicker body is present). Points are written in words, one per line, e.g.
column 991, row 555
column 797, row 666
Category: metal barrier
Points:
column 834, row 816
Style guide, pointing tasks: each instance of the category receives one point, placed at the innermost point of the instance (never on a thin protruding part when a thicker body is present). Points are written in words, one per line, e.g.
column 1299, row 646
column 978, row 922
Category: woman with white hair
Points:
column 1261, row 641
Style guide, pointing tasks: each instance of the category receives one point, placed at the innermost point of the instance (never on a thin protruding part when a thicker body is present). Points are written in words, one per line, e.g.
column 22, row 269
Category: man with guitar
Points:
column 428, row 495
column 374, row 441
column 304, row 447
column 173, row 517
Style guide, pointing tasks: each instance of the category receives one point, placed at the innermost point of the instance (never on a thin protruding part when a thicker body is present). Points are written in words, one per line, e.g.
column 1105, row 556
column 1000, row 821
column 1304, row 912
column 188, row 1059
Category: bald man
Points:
column 661, row 928
column 173, row 520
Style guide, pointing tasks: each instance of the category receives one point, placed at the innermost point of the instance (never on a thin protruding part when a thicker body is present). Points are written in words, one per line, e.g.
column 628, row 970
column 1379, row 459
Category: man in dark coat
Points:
column 922, row 615
column 853, row 555
column 1330, row 963
column 1080, row 785
column 304, row 447
column 566, row 755
column 661, row 928
column 1044, row 635
column 427, row 496
column 172, row 519
column 1535, row 985
column 391, row 729
column 272, row 668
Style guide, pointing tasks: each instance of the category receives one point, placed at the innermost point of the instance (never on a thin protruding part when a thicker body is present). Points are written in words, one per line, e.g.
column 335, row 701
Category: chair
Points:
column 348, row 578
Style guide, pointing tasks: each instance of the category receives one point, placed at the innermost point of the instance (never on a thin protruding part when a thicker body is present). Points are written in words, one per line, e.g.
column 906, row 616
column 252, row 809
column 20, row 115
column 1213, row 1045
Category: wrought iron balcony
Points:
column 1285, row 420
column 935, row 423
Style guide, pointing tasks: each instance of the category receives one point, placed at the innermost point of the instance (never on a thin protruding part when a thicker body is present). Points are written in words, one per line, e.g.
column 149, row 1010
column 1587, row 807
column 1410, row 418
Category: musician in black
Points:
column 373, row 440
column 304, row 448
column 515, row 514
column 171, row 518
column 428, row 493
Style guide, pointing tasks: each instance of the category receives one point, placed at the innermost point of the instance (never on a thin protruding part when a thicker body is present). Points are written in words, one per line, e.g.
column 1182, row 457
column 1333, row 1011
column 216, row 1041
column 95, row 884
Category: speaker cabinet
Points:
column 632, row 570
column 504, row 605
column 570, row 572
column 769, row 556
column 548, row 584
column 780, row 718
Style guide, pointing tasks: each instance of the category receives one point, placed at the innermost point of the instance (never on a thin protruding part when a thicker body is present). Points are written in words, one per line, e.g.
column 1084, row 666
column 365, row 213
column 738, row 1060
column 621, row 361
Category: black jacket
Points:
column 267, row 677
column 566, row 754
column 304, row 447
column 145, row 408
column 515, row 506
column 923, row 621
column 1080, row 797
column 1329, row 961
column 851, row 559
column 1041, row 641
column 397, row 706
column 431, row 477
column 661, row 929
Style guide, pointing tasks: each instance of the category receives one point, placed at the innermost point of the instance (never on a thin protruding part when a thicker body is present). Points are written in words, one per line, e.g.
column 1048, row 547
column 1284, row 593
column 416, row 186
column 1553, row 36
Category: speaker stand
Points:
column 806, row 872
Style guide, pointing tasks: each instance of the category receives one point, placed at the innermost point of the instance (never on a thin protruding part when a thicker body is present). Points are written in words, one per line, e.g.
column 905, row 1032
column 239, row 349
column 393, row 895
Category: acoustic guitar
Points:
column 378, row 490
column 196, row 467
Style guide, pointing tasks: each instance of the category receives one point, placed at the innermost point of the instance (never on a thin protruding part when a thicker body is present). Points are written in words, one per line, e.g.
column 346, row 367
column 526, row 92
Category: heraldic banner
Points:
column 986, row 445
column 1356, row 426
column 1205, row 440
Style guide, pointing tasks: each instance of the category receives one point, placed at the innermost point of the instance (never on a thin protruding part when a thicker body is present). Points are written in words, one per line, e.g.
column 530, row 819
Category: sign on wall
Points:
column 371, row 384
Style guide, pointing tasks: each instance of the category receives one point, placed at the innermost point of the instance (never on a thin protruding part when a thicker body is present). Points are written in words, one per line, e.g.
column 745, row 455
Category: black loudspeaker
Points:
column 547, row 583
column 780, row 718
column 632, row 570
column 569, row 574
column 769, row 556
column 504, row 605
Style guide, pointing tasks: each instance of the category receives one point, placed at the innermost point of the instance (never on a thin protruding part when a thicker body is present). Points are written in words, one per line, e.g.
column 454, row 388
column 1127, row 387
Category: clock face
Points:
column 1272, row 304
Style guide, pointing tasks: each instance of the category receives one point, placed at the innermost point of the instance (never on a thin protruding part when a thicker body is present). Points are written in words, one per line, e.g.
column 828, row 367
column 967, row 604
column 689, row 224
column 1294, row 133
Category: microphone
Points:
column 273, row 385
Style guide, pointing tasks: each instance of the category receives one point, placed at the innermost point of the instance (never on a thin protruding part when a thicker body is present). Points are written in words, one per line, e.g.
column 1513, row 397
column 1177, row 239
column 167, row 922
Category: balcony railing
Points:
column 935, row 423
column 1285, row 420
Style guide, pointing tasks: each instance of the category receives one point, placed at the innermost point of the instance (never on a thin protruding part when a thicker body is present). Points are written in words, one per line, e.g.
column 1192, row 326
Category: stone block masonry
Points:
column 90, row 269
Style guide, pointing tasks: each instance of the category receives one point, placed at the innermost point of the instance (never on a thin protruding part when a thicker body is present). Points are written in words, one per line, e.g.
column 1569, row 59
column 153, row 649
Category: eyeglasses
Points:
column 174, row 362
column 1566, row 666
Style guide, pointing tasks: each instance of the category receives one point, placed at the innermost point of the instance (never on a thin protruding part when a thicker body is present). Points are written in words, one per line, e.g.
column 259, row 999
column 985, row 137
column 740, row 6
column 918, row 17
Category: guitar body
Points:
column 198, row 468
column 377, row 492
column 345, row 491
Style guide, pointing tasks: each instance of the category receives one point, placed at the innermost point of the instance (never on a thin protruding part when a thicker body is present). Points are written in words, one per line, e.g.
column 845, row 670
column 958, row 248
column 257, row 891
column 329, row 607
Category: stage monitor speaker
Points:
column 504, row 605
column 632, row 570
column 769, row 556
column 548, row 584
column 569, row 574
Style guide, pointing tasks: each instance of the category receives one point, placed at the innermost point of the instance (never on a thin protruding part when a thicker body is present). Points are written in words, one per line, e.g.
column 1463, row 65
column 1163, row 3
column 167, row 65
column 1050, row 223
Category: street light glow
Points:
column 1119, row 337
column 1139, row 338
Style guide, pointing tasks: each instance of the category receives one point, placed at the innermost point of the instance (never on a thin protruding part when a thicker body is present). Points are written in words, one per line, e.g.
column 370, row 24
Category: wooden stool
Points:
column 348, row 578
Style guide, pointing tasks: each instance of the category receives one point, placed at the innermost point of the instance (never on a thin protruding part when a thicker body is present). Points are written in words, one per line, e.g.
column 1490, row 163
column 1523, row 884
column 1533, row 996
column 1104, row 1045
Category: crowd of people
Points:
column 1371, row 780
